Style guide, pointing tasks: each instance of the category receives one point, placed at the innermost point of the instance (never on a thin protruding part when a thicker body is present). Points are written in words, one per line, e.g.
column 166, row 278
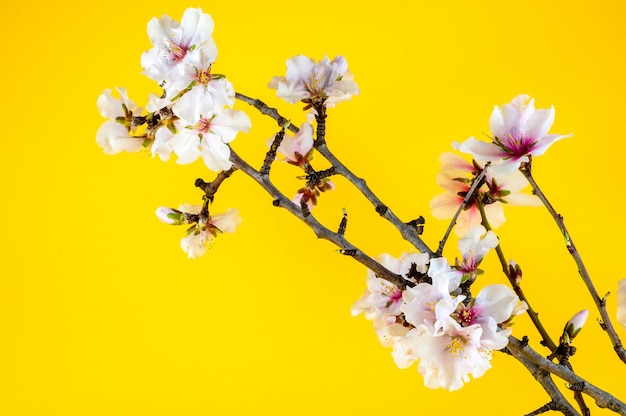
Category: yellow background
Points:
column 102, row 314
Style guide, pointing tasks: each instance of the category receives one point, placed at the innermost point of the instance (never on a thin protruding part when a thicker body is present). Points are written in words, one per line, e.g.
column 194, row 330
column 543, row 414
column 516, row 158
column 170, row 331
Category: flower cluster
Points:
column 325, row 82
column 435, row 321
column 194, row 117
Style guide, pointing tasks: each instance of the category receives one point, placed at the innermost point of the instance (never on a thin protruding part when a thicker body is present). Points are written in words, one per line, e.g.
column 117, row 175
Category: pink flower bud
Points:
column 574, row 325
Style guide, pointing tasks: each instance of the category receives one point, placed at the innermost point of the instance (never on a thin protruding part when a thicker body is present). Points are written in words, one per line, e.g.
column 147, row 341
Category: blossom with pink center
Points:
column 428, row 304
column 448, row 359
column 518, row 131
column 455, row 178
column 116, row 134
column 494, row 305
column 204, row 131
column 311, row 82
column 297, row 149
column 177, row 45
column 474, row 245
column 381, row 300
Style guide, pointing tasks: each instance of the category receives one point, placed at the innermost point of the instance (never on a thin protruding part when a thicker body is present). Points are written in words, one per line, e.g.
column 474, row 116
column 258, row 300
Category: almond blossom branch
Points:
column 534, row 317
column 407, row 231
column 280, row 200
column 521, row 351
column 605, row 322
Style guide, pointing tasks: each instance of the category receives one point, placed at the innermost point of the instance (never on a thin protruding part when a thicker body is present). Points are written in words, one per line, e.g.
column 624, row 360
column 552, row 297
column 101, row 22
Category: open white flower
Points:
column 448, row 359
column 115, row 134
column 310, row 81
column 205, row 131
column 494, row 304
column 177, row 45
column 474, row 245
column 201, row 235
column 518, row 131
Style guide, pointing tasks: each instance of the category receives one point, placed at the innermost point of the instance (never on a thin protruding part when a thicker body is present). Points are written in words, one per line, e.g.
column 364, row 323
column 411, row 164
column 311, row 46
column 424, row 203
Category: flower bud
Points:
column 170, row 216
column 574, row 325
column 515, row 272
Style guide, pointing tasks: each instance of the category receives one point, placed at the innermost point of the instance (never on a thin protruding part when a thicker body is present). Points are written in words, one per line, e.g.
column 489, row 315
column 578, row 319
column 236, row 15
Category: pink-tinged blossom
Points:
column 621, row 302
column 313, row 82
column 474, row 245
column 116, row 134
column 297, row 149
column 381, row 300
column 494, row 305
column 518, row 131
column 178, row 45
column 200, row 236
column 574, row 325
column 216, row 89
column 205, row 131
column 448, row 359
column 428, row 304
column 455, row 178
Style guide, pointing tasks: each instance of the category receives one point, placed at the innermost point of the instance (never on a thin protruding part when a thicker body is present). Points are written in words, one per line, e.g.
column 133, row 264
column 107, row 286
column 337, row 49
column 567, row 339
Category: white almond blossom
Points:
column 474, row 245
column 518, row 131
column 381, row 300
column 178, row 45
column 448, row 359
column 201, row 235
column 115, row 134
column 204, row 131
column 325, row 81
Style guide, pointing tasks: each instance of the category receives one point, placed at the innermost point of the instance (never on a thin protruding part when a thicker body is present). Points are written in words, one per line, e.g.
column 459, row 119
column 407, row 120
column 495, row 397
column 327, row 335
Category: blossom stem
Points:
column 268, row 111
column 320, row 230
column 547, row 341
column 478, row 181
column 407, row 231
column 210, row 188
column 605, row 322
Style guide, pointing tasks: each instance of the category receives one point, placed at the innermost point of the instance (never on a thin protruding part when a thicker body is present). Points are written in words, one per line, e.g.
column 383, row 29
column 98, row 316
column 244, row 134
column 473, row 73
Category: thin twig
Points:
column 606, row 324
column 534, row 317
column 478, row 181
column 280, row 200
column 268, row 111
column 408, row 232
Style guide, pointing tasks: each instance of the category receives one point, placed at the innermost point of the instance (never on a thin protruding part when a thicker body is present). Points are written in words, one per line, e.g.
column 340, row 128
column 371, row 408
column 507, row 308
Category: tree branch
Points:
column 280, row 200
column 521, row 350
column 606, row 324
